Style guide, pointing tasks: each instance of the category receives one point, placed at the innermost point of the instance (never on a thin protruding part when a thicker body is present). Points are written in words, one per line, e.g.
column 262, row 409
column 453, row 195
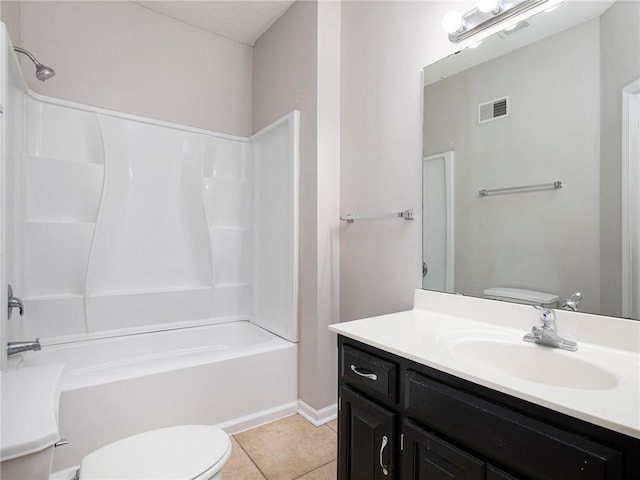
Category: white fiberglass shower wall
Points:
column 128, row 224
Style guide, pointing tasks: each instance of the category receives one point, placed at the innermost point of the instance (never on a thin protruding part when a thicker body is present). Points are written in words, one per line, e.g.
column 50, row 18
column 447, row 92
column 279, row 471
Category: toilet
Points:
column 30, row 435
column 519, row 295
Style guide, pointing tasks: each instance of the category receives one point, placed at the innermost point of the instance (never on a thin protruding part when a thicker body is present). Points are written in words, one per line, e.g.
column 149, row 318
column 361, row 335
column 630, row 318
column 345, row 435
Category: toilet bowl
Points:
column 30, row 433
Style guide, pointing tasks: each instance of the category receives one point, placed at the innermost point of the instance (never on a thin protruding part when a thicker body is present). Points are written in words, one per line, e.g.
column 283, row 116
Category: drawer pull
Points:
column 385, row 440
column 365, row 374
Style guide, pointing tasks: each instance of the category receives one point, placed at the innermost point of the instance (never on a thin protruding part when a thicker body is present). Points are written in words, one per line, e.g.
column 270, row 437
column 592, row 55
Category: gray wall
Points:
column 121, row 56
column 620, row 62
column 547, row 241
column 11, row 16
column 285, row 76
column 385, row 46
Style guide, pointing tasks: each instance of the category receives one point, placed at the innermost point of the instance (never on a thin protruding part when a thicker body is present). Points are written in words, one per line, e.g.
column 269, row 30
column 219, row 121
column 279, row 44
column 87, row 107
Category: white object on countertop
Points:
column 519, row 295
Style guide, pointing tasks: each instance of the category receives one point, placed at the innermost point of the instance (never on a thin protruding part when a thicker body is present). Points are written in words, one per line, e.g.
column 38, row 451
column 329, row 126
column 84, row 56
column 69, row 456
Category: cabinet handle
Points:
column 365, row 374
column 385, row 440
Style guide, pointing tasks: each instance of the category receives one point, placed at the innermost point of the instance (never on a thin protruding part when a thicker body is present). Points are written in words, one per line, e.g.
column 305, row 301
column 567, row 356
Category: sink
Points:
column 527, row 361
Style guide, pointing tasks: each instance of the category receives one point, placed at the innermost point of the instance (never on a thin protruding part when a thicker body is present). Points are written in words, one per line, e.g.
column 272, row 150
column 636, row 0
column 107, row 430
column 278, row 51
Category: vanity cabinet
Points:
column 398, row 419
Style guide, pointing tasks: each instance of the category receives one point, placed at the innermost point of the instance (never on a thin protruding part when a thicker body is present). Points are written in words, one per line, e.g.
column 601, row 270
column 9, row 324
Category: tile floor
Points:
column 287, row 449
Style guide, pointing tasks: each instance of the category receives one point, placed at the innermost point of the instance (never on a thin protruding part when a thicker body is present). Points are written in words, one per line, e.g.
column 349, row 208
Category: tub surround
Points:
column 439, row 322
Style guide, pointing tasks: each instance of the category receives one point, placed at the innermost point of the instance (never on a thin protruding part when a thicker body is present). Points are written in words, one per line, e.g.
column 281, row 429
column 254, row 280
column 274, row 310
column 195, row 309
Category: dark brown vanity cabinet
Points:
column 401, row 420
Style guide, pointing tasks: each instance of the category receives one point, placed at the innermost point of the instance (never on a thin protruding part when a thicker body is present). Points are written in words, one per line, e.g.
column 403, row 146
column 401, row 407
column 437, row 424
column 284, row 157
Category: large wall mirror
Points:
column 552, row 106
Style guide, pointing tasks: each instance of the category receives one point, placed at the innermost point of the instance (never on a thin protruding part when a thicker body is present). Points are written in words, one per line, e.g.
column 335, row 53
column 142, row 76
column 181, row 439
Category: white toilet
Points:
column 30, row 434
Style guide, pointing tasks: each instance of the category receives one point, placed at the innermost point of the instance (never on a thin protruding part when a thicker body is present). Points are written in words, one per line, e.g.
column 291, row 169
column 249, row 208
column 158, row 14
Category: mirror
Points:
column 553, row 107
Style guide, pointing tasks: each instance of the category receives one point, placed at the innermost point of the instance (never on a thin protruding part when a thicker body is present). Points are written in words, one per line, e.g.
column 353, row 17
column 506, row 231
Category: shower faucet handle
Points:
column 13, row 302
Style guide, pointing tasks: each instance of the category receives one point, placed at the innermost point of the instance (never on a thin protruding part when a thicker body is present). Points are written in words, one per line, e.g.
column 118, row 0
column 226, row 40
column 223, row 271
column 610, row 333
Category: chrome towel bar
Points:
column 352, row 217
column 541, row 186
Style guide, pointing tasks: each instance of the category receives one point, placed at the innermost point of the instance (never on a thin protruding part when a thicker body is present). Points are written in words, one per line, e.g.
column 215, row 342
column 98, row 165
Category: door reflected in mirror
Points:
column 531, row 162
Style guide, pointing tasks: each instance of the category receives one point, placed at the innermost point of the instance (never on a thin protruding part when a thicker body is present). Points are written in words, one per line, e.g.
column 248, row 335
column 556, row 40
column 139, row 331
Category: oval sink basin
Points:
column 531, row 362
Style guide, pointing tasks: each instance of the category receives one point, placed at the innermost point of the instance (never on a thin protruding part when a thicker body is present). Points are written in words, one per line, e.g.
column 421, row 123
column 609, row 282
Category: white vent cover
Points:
column 513, row 29
column 493, row 110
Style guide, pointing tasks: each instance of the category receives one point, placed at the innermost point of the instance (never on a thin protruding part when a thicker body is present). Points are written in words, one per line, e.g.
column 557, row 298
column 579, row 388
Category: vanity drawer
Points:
column 536, row 450
column 369, row 372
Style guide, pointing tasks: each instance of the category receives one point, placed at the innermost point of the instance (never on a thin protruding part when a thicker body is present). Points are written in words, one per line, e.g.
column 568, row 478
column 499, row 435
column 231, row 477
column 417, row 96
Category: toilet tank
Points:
column 29, row 421
column 519, row 295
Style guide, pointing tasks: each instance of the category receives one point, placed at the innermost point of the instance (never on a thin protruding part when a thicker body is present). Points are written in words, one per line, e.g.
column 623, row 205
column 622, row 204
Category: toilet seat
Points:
column 189, row 452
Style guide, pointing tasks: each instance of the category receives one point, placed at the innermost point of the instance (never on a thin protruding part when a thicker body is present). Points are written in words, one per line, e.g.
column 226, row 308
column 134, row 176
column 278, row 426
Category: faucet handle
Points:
column 572, row 302
column 13, row 302
column 547, row 316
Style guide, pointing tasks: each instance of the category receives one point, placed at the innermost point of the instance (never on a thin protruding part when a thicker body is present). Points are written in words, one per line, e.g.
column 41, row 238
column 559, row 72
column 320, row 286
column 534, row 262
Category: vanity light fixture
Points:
column 486, row 14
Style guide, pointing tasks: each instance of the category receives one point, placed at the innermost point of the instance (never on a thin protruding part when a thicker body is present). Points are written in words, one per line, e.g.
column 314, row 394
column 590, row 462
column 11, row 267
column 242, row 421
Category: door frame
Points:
column 630, row 206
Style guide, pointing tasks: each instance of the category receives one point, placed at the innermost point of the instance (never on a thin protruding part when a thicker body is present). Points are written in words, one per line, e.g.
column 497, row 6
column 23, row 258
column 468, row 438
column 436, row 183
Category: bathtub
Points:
column 234, row 375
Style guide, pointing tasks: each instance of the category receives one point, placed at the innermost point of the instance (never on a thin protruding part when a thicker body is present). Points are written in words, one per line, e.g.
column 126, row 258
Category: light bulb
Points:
column 487, row 6
column 452, row 22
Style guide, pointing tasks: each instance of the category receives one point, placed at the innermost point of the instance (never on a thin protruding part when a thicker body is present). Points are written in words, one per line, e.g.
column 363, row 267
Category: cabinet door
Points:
column 494, row 473
column 427, row 457
column 366, row 438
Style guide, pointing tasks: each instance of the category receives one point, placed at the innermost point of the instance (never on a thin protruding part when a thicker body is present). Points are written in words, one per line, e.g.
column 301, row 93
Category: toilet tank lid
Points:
column 29, row 410
column 521, row 294
column 184, row 452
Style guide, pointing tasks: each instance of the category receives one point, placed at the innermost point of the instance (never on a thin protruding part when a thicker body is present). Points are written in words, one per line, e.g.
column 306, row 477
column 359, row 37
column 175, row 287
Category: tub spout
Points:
column 18, row 347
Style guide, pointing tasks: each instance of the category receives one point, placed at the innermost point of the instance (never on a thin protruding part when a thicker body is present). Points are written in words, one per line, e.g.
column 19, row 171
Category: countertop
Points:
column 429, row 335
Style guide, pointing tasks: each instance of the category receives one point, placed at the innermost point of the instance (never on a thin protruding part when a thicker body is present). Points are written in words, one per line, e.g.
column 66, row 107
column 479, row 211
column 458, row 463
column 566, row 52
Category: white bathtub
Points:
column 235, row 375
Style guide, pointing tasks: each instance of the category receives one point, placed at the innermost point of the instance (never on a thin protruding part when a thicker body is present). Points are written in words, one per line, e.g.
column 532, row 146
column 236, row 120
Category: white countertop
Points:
column 431, row 336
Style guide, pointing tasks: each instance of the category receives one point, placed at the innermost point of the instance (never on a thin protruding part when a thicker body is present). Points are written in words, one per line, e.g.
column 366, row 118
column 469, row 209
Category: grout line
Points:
column 250, row 458
column 299, row 476
column 317, row 468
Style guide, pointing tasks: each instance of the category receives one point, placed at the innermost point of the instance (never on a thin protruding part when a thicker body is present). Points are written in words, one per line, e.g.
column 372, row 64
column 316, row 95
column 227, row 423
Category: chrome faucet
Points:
column 14, row 302
column 571, row 303
column 546, row 333
column 19, row 347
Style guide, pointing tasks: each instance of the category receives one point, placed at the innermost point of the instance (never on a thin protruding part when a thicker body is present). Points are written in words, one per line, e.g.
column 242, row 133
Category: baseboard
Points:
column 253, row 420
column 317, row 417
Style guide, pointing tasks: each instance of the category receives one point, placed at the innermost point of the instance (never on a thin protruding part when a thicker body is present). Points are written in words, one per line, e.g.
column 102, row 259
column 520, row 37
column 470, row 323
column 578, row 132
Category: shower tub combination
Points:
column 160, row 266
column 235, row 375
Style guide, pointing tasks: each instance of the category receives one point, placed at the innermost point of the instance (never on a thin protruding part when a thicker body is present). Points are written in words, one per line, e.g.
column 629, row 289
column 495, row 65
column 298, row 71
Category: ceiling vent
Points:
column 513, row 29
column 493, row 110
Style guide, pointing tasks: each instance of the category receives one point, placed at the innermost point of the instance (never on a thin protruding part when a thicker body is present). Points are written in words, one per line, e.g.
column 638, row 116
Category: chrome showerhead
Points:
column 42, row 71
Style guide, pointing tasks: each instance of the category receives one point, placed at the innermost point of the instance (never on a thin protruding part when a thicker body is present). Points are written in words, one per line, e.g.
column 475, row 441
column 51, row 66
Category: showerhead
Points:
column 42, row 71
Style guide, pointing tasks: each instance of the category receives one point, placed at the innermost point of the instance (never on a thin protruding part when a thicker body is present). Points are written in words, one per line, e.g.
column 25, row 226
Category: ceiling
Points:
column 239, row 20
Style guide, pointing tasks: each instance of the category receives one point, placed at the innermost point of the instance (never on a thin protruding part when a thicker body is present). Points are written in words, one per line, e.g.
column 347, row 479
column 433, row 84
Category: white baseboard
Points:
column 247, row 422
column 318, row 417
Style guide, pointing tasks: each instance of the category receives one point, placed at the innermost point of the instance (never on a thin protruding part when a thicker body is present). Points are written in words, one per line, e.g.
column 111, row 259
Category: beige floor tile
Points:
column 239, row 466
column 289, row 448
column 326, row 472
column 333, row 425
